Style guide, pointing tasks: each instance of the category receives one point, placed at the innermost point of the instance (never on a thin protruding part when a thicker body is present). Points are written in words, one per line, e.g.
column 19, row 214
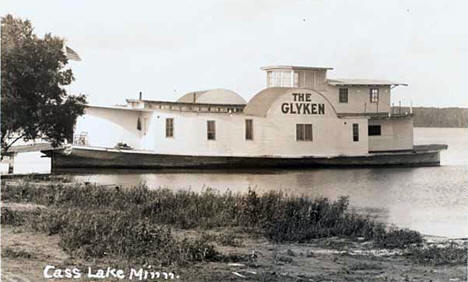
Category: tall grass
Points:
column 277, row 216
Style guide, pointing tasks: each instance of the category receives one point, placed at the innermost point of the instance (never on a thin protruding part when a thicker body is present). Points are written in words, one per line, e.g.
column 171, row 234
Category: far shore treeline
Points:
column 438, row 117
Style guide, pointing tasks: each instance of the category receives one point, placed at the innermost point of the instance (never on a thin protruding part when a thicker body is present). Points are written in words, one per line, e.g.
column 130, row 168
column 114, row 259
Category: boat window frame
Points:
column 169, row 127
column 304, row 132
column 343, row 95
column 355, row 132
column 211, row 130
column 374, row 95
column 374, row 131
column 249, row 132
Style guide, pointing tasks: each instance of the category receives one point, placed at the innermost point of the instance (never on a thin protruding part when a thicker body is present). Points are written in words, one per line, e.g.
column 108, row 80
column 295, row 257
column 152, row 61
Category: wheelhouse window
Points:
column 280, row 79
column 374, row 95
column 355, row 132
column 169, row 127
column 343, row 95
column 303, row 132
column 211, row 130
column 296, row 79
column 374, row 130
column 248, row 129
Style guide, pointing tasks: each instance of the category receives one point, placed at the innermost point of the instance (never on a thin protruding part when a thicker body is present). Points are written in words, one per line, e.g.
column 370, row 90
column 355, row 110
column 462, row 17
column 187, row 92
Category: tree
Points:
column 34, row 101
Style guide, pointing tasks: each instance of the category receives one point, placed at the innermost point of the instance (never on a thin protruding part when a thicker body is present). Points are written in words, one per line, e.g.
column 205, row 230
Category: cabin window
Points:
column 139, row 124
column 355, row 132
column 374, row 130
column 169, row 127
column 248, row 129
column 374, row 95
column 211, row 130
column 343, row 95
column 303, row 132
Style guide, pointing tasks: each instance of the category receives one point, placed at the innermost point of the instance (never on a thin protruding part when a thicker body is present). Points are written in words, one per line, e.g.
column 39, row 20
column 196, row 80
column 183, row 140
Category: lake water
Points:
column 432, row 200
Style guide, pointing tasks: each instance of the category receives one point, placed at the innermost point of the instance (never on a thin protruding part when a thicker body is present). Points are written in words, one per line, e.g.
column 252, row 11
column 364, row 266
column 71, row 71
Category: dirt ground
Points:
column 26, row 253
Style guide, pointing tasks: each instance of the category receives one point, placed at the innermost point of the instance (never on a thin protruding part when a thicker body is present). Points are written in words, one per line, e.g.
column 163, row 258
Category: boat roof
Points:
column 120, row 108
column 213, row 96
column 346, row 81
column 285, row 67
column 182, row 103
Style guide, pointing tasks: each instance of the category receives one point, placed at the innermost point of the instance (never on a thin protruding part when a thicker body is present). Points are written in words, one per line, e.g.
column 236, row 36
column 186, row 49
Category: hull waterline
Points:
column 88, row 157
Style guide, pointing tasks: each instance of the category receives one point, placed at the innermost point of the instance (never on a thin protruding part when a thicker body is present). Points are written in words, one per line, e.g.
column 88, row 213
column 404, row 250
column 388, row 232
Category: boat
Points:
column 301, row 119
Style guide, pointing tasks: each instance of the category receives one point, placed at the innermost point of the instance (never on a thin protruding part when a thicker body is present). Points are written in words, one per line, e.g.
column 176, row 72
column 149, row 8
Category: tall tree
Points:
column 34, row 102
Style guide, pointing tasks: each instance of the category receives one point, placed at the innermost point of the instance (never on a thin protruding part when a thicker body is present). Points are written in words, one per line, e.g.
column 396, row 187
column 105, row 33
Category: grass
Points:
column 138, row 223
column 17, row 217
column 15, row 253
column 279, row 217
column 436, row 255
column 115, row 233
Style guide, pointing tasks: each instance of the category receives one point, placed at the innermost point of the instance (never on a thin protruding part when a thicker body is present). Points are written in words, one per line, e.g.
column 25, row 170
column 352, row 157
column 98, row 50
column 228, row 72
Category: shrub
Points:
column 398, row 238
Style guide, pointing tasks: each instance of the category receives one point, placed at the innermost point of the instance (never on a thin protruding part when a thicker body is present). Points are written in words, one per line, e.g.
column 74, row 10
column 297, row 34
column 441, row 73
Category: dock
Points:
column 32, row 148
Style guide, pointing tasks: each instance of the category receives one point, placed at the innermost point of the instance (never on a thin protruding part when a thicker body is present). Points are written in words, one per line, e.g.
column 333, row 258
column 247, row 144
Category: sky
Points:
column 168, row 48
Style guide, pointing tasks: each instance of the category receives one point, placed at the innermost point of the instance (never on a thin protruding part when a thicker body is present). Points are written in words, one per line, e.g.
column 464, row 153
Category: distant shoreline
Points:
column 452, row 117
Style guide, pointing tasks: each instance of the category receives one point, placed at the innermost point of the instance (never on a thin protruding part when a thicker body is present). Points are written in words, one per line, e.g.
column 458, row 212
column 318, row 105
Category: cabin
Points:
column 300, row 113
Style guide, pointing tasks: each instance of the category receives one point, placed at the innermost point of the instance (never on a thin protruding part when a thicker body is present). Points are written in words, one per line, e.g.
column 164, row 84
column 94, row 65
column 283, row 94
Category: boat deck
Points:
column 417, row 148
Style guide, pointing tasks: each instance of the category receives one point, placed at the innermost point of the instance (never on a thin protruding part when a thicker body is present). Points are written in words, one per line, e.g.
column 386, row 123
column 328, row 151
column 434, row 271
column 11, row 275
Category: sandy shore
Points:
column 26, row 253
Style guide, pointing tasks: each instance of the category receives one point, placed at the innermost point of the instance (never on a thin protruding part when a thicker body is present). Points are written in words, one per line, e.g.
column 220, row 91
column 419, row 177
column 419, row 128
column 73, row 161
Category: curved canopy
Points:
column 262, row 101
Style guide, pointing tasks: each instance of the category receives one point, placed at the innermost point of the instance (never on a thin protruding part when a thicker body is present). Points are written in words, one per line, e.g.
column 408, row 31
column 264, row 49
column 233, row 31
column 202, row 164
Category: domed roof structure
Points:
column 262, row 101
column 213, row 96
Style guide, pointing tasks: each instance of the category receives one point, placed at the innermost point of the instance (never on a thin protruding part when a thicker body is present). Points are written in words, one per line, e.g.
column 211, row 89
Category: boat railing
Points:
column 379, row 115
column 81, row 139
